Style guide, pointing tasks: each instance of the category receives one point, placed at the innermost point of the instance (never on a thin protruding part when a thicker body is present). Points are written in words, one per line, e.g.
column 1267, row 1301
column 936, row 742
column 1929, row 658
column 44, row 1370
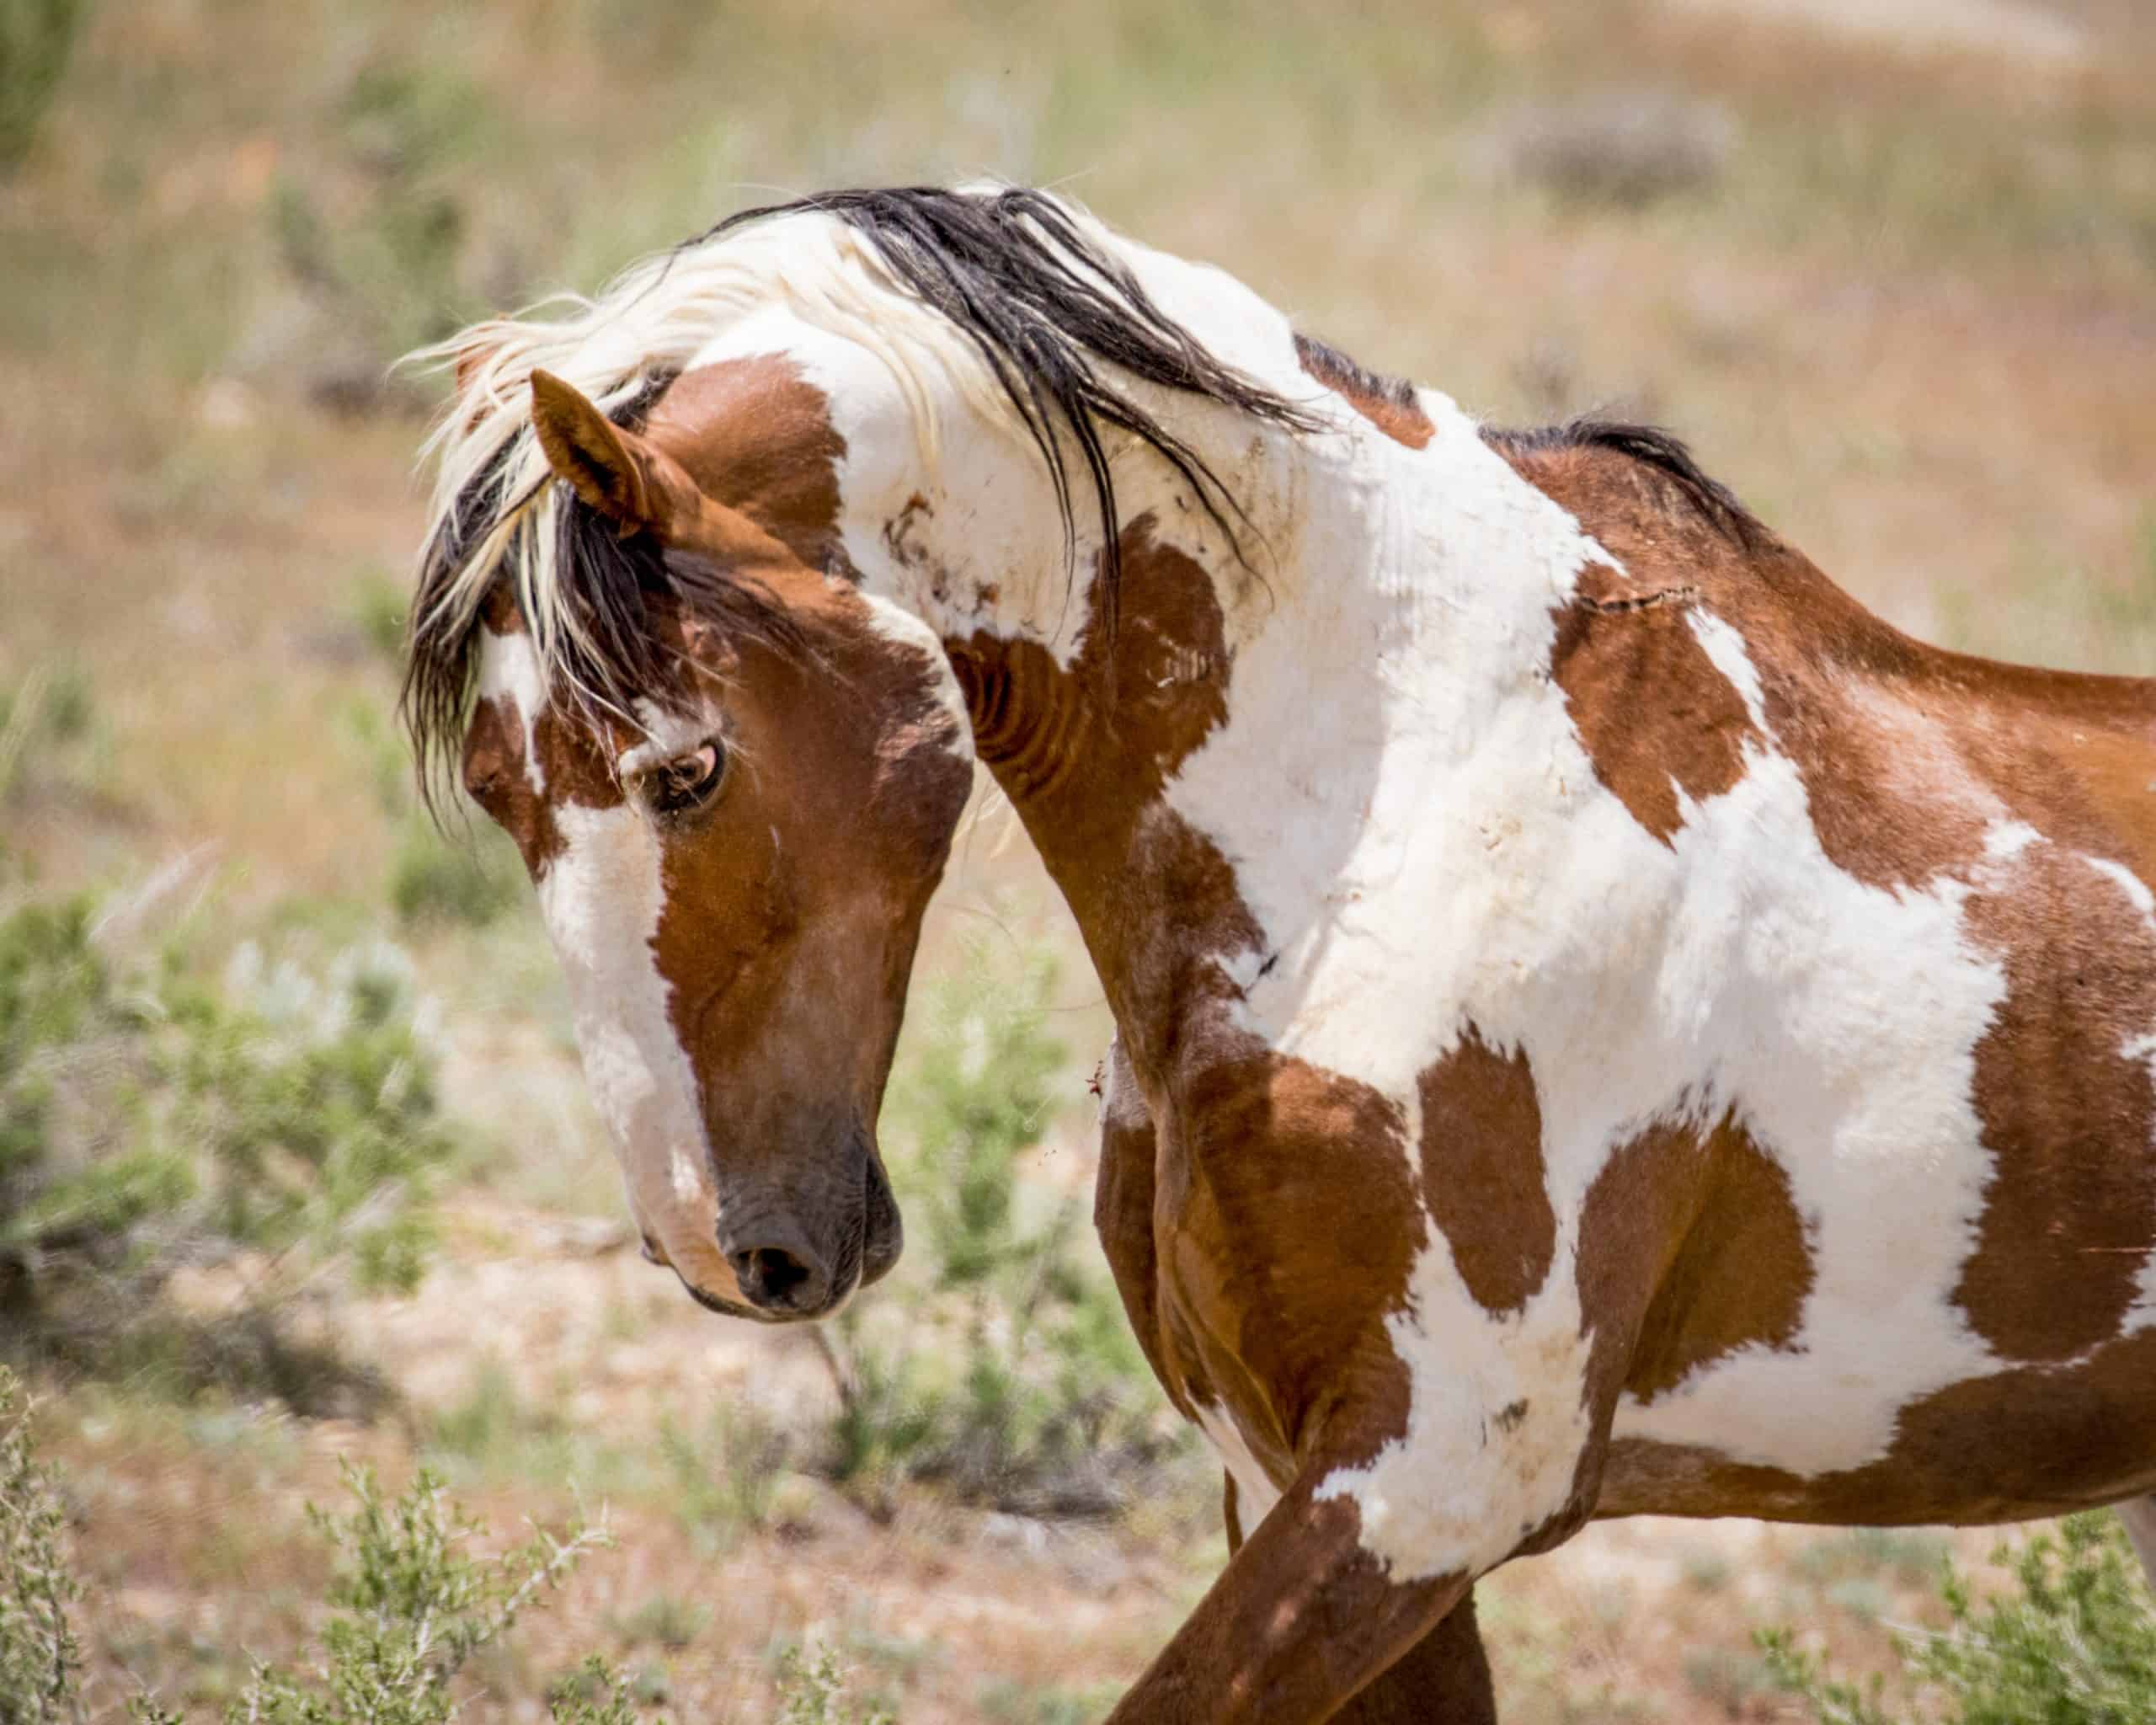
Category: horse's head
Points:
column 708, row 629
column 735, row 789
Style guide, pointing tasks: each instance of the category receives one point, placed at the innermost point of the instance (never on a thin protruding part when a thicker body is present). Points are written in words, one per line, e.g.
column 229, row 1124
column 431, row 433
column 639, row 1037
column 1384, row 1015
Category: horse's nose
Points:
column 783, row 1275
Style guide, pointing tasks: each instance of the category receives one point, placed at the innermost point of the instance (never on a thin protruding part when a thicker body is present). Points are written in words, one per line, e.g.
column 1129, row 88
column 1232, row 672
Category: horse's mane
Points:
column 1660, row 452
column 1021, row 301
column 1018, row 297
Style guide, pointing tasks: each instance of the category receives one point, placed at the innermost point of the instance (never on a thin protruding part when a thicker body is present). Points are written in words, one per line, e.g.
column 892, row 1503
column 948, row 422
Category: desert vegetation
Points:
column 338, row 1385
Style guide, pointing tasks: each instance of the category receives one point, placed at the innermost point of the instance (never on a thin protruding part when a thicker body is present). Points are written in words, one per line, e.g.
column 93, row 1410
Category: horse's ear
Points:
column 602, row 461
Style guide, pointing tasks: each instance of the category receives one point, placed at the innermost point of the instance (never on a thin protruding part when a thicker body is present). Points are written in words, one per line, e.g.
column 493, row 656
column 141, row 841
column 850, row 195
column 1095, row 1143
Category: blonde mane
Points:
column 1020, row 306
column 492, row 508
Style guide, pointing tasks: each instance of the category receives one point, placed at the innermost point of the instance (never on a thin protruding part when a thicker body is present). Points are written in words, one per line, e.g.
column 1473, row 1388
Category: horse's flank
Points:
column 1606, row 1024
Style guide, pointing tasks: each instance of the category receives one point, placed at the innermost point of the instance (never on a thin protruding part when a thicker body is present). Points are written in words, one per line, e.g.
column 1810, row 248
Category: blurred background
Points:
column 296, row 1171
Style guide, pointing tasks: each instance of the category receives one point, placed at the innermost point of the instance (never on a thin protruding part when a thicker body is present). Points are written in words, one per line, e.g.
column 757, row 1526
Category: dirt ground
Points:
column 1890, row 268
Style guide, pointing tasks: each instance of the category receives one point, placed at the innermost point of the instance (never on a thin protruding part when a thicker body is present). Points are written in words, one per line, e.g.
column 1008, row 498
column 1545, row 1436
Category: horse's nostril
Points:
column 778, row 1280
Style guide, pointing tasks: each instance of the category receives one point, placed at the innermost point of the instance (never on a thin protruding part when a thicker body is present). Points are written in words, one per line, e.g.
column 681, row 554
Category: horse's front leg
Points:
column 1301, row 1621
column 1446, row 1675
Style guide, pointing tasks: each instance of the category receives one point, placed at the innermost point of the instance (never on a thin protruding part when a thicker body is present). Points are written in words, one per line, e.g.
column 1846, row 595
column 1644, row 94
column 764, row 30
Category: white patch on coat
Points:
column 1255, row 1493
column 509, row 676
column 602, row 902
column 600, row 898
column 1435, row 851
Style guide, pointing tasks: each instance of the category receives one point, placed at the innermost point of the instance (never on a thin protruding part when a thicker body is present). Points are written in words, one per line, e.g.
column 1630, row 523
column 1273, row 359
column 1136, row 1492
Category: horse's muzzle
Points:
column 798, row 1267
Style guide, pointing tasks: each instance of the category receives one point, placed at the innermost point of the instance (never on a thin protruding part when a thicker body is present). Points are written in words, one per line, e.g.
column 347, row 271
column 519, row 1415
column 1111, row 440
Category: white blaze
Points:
column 601, row 897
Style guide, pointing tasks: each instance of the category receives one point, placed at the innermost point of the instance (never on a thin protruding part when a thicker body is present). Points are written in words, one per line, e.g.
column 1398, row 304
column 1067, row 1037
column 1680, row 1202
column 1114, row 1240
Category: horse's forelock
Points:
column 1013, row 292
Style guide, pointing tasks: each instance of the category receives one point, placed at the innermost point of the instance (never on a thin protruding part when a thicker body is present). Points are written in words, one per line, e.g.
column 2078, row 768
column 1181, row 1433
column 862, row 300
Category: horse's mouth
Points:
column 868, row 1249
column 732, row 1308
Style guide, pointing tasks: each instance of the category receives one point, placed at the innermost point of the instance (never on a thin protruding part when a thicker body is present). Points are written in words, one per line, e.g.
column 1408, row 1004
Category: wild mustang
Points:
column 1604, row 1024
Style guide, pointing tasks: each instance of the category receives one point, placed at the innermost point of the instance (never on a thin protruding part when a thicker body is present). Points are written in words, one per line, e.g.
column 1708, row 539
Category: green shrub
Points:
column 812, row 1692
column 283, row 1120
column 435, row 878
column 999, row 1360
column 45, row 721
column 671, row 1623
column 410, row 1606
column 36, row 38
column 41, row 1664
column 2074, row 1643
column 724, row 1481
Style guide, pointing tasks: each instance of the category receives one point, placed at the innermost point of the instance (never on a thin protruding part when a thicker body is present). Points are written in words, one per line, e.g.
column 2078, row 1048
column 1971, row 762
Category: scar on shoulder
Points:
column 1624, row 606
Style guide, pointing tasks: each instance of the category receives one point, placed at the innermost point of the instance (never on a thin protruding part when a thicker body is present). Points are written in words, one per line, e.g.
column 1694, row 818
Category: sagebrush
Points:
column 411, row 1603
column 998, row 1359
column 278, row 1127
column 2073, row 1643
column 41, row 1660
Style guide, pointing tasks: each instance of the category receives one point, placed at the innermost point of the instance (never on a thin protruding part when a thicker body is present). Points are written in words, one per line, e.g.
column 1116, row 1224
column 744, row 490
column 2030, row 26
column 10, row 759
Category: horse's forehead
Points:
column 519, row 737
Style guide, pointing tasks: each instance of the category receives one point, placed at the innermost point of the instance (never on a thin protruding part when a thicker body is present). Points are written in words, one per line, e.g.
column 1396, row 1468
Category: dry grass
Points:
column 1901, row 295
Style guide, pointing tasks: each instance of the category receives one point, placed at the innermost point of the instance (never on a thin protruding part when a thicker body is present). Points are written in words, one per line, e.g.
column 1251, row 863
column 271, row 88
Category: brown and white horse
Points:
column 1606, row 1025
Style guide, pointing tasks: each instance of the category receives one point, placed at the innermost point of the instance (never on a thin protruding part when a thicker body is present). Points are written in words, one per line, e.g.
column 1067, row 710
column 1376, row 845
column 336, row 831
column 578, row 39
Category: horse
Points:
column 1604, row 1024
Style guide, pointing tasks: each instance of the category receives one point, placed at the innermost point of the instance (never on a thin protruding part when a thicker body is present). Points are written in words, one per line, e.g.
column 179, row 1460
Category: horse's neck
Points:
column 1234, row 769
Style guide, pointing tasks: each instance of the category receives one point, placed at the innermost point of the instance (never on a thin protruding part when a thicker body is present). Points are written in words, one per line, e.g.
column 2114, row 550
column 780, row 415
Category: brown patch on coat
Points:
column 1642, row 1203
column 1737, row 1277
column 1286, row 1225
column 1133, row 708
column 756, row 435
column 1655, row 715
column 1389, row 403
column 1258, row 1240
column 1483, row 1178
column 573, row 766
column 1691, row 1249
column 2011, row 1445
column 1083, row 752
column 1911, row 757
column 2067, row 1112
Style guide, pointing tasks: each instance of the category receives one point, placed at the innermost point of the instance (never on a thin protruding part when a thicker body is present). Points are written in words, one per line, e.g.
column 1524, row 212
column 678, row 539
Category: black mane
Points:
column 1650, row 446
column 1043, row 307
column 1049, row 312
column 1322, row 360
column 1659, row 451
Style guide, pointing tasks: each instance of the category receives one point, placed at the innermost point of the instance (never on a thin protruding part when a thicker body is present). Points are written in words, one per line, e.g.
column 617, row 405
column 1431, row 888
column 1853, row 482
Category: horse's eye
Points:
column 688, row 782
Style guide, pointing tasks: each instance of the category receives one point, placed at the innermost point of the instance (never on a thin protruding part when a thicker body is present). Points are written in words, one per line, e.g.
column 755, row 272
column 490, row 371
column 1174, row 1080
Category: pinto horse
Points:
column 1604, row 1024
